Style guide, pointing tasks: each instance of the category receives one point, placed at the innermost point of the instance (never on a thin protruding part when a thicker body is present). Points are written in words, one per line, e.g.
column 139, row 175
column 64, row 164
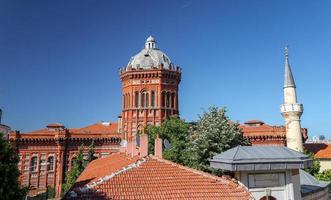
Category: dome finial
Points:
column 150, row 43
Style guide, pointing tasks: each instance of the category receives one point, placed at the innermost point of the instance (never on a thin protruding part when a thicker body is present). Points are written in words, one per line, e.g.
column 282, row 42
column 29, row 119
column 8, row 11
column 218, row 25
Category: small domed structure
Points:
column 150, row 57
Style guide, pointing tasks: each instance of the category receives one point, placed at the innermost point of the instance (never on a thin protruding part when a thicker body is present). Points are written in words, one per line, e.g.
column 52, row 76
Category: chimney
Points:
column 158, row 147
column 119, row 124
column 132, row 147
column 143, row 149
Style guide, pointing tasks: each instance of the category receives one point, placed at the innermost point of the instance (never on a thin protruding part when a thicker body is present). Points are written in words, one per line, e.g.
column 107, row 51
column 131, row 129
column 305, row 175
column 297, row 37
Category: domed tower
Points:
column 291, row 110
column 149, row 89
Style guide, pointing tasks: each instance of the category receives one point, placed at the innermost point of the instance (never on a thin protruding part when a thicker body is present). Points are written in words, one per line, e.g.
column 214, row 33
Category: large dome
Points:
column 150, row 57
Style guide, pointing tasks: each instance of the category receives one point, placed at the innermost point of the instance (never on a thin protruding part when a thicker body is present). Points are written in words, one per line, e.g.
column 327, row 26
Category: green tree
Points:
column 90, row 153
column 76, row 170
column 50, row 192
column 324, row 176
column 315, row 168
column 9, row 173
column 176, row 131
column 214, row 133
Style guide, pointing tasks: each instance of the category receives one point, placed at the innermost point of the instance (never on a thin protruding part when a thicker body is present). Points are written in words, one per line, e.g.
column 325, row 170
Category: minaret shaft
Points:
column 291, row 110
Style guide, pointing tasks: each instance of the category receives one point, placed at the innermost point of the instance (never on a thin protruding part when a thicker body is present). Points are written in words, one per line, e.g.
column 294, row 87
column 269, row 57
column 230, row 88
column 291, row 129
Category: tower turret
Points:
column 150, row 84
column 291, row 110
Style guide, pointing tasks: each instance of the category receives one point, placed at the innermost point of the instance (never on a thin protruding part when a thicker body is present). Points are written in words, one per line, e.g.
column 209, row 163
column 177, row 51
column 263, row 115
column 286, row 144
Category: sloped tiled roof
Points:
column 254, row 158
column 97, row 130
column 104, row 166
column 151, row 178
column 321, row 150
column 309, row 184
column 256, row 128
column 102, row 127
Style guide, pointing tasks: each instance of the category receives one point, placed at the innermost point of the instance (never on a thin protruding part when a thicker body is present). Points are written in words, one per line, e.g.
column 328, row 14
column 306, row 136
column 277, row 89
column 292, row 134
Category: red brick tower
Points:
column 150, row 90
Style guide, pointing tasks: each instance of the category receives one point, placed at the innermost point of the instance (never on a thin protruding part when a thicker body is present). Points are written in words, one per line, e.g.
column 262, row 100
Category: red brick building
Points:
column 260, row 133
column 149, row 94
column 150, row 89
column 46, row 154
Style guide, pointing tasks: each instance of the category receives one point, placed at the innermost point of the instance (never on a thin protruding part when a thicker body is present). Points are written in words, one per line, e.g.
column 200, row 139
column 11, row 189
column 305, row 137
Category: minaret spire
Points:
column 288, row 80
column 291, row 109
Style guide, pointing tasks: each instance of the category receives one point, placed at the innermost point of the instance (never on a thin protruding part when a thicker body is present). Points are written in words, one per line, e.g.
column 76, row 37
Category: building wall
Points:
column 286, row 189
column 44, row 174
column 148, row 96
column 325, row 164
column 321, row 195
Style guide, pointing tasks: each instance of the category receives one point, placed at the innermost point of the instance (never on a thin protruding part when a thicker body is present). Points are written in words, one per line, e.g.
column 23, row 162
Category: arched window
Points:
column 168, row 100
column 50, row 163
column 123, row 101
column 163, row 99
column 136, row 99
column 147, row 99
column 143, row 103
column 172, row 100
column 153, row 99
column 33, row 165
column 127, row 100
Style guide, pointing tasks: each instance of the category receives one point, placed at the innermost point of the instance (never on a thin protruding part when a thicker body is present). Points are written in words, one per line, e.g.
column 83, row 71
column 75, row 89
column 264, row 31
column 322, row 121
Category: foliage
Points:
column 50, row 192
column 152, row 132
column 324, row 176
column 9, row 185
column 176, row 131
column 214, row 133
column 76, row 170
column 314, row 170
column 90, row 153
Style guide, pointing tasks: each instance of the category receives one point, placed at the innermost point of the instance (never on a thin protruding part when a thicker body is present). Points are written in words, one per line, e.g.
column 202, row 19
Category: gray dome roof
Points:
column 150, row 56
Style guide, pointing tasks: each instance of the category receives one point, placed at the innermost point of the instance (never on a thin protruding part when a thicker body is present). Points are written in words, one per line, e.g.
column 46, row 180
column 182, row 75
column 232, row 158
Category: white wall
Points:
column 288, row 187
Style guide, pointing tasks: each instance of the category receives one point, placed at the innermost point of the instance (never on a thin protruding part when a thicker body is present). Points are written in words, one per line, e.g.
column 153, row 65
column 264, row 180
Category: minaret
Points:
column 291, row 110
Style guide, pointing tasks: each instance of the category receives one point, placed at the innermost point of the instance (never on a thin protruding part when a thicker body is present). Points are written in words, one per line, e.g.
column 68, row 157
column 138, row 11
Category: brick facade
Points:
column 47, row 154
column 259, row 133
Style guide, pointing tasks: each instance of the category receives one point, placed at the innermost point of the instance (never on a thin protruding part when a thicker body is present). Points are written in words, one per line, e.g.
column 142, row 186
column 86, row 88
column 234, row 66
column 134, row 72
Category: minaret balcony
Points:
column 284, row 108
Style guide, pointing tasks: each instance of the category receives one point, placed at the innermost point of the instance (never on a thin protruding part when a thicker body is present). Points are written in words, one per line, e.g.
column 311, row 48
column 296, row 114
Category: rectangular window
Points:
column 128, row 101
column 168, row 100
column 142, row 100
column 147, row 99
column 136, row 99
column 172, row 100
column 266, row 180
column 163, row 99
column 153, row 99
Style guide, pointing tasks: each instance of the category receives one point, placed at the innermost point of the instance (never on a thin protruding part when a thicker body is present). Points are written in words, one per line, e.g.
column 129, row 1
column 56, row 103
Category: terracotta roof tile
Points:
column 54, row 125
column 255, row 128
column 102, row 127
column 321, row 150
column 152, row 178
column 94, row 130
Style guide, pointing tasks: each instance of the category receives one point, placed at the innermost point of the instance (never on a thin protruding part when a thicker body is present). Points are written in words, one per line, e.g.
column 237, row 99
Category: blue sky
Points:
column 59, row 60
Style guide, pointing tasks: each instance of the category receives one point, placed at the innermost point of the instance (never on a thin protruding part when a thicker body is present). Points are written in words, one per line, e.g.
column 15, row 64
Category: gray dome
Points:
column 150, row 56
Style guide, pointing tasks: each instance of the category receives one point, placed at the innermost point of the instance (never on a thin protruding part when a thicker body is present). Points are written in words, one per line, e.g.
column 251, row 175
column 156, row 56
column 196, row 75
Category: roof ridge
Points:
column 234, row 156
column 128, row 167
column 222, row 179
